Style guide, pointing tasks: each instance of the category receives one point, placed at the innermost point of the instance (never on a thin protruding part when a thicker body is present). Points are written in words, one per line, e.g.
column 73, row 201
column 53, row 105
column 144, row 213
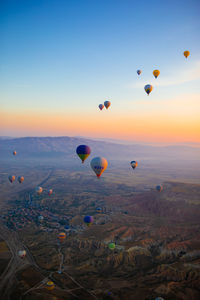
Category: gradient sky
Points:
column 60, row 59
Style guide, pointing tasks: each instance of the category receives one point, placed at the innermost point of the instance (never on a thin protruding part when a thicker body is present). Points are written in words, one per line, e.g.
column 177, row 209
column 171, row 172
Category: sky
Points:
column 60, row 59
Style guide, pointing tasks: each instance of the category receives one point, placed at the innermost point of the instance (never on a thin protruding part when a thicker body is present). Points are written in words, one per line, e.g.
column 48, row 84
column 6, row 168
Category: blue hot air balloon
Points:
column 83, row 152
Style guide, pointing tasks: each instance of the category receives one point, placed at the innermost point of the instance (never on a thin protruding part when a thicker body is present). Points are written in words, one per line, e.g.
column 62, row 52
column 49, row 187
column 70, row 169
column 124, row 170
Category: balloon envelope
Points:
column 148, row 88
column 50, row 285
column 39, row 190
column 11, row 178
column 186, row 53
column 107, row 104
column 22, row 253
column 156, row 73
column 99, row 165
column 98, row 209
column 111, row 246
column 83, row 152
column 62, row 236
column 40, row 218
column 14, row 152
column 50, row 192
column 101, row 106
column 159, row 188
column 139, row 72
column 88, row 220
column 134, row 164
column 20, row 179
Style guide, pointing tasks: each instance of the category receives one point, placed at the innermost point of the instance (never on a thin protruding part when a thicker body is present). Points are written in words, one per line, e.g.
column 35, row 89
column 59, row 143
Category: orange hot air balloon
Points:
column 62, row 236
column 39, row 190
column 20, row 179
column 186, row 53
column 107, row 104
column 156, row 73
column 14, row 152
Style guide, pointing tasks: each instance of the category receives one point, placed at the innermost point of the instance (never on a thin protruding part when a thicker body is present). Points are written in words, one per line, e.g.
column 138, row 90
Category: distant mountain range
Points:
column 66, row 146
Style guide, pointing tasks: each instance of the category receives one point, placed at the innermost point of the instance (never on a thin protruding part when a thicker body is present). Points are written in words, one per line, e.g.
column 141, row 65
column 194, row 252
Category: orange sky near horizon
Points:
column 150, row 126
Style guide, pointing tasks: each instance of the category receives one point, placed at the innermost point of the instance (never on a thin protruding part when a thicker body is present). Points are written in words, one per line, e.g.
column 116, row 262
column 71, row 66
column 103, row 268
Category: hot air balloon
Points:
column 88, row 220
column 39, row 190
column 83, row 152
column 159, row 188
column 186, row 53
column 14, row 152
column 98, row 210
column 11, row 178
column 139, row 72
column 20, row 179
column 62, row 236
column 40, row 218
column 67, row 227
column 156, row 73
column 107, row 104
column 50, row 192
column 148, row 88
column 22, row 253
column 101, row 106
column 111, row 246
column 99, row 165
column 50, row 285
column 134, row 164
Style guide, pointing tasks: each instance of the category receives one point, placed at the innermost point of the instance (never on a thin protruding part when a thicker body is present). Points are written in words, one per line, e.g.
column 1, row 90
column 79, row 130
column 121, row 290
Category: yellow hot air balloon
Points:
column 50, row 285
column 186, row 53
column 156, row 73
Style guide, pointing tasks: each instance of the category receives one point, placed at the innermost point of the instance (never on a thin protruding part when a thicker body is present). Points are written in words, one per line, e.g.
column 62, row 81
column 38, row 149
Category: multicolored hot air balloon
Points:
column 148, row 88
column 14, row 152
column 111, row 246
column 20, row 179
column 156, row 73
column 101, row 106
column 11, row 178
column 62, row 236
column 186, row 53
column 39, row 190
column 50, row 285
column 134, row 164
column 50, row 192
column 139, row 72
column 22, row 253
column 83, row 152
column 107, row 104
column 159, row 188
column 88, row 220
column 98, row 165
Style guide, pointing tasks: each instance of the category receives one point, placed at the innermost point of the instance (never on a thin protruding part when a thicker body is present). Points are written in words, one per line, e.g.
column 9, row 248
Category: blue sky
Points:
column 62, row 55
